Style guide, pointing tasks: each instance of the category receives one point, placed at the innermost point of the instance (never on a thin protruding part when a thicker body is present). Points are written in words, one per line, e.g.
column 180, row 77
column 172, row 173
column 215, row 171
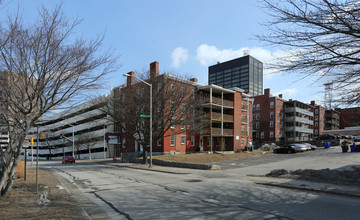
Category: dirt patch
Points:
column 21, row 203
column 349, row 177
column 203, row 158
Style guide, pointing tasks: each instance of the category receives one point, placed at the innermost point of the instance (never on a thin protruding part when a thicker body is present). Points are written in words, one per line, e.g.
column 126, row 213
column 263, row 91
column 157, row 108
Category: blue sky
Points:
column 185, row 36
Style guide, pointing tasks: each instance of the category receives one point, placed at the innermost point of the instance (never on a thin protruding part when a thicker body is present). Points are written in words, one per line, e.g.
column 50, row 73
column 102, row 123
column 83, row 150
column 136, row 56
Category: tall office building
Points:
column 245, row 72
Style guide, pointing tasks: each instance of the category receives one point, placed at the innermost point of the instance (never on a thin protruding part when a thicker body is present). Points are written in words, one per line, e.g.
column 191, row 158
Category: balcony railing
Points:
column 218, row 101
column 299, row 119
column 217, row 116
column 217, row 131
column 300, row 110
column 298, row 129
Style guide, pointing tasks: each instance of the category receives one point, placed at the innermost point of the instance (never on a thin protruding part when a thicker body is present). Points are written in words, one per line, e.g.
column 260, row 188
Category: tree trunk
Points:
column 145, row 156
column 11, row 175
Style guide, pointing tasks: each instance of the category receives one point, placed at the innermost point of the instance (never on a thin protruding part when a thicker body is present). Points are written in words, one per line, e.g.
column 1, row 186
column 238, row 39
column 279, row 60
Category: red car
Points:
column 68, row 159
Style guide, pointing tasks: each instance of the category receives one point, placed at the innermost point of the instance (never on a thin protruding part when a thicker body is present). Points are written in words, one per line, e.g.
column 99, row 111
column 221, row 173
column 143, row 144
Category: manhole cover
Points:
column 193, row 181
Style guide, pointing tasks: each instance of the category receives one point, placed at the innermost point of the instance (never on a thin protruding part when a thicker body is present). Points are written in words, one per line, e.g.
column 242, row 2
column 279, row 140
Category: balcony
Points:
column 244, row 134
column 244, row 120
column 300, row 110
column 244, row 107
column 299, row 129
column 218, row 101
column 217, row 116
column 299, row 119
column 217, row 132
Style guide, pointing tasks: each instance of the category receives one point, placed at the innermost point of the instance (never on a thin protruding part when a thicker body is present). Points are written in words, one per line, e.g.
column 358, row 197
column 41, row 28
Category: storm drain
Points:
column 193, row 181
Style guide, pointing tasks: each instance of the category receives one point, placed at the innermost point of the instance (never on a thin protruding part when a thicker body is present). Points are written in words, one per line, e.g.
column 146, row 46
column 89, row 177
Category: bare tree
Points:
column 43, row 67
column 319, row 37
column 174, row 103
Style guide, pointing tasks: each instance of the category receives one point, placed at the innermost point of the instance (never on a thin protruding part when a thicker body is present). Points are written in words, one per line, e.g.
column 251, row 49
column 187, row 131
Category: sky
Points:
column 185, row 37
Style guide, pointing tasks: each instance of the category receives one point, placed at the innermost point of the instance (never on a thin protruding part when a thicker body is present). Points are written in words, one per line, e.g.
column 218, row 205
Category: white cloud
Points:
column 287, row 93
column 179, row 56
column 210, row 55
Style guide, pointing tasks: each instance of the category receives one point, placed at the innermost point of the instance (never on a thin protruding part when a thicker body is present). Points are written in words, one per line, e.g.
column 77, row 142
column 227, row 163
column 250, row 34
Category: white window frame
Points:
column 172, row 86
column 316, row 111
column 262, row 135
column 183, row 125
column 257, row 106
column 123, row 142
column 271, row 134
column 271, row 114
column 316, row 118
column 257, row 116
column 172, row 123
column 183, row 139
column 257, row 124
column 159, row 143
column 172, row 140
column 192, row 94
column 192, row 141
column 271, row 104
column 271, row 124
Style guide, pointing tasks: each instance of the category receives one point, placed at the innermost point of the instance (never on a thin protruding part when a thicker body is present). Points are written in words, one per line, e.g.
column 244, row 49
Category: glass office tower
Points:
column 245, row 72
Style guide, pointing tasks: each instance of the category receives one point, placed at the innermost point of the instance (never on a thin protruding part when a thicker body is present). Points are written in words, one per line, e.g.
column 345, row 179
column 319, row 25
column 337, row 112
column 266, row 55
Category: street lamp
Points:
column 150, row 85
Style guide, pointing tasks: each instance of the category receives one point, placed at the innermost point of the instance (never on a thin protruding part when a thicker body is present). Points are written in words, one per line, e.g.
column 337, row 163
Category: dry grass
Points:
column 21, row 203
column 206, row 158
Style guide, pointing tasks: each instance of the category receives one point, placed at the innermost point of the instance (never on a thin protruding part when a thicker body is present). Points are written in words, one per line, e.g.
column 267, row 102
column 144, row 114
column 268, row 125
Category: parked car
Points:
column 356, row 138
column 349, row 137
column 325, row 137
column 312, row 147
column 292, row 148
column 303, row 147
column 68, row 159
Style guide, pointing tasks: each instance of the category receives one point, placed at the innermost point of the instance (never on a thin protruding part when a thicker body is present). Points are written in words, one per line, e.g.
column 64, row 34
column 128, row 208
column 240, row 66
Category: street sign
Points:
column 26, row 143
column 144, row 116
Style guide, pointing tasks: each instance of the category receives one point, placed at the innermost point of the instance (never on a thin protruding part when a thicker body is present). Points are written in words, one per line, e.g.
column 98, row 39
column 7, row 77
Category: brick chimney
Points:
column 280, row 95
column 154, row 69
column 195, row 80
column 267, row 92
column 130, row 78
column 312, row 103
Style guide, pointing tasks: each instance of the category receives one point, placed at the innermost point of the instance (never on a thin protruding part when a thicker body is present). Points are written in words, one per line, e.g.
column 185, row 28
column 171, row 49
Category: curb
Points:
column 186, row 165
column 312, row 189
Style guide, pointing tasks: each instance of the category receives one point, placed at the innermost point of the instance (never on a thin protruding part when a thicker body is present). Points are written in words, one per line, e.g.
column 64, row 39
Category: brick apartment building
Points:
column 223, row 114
column 349, row 117
column 268, row 117
column 319, row 118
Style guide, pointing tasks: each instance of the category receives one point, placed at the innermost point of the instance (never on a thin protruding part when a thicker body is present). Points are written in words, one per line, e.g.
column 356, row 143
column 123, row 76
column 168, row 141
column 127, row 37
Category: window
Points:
column 172, row 106
column 316, row 118
column 242, row 141
column 192, row 109
column 159, row 87
column 172, row 89
column 262, row 135
column 253, row 107
column 182, row 124
column 192, row 141
column 182, row 92
column 253, row 116
column 271, row 114
column 316, row 132
column 172, row 140
column 172, row 123
column 183, row 139
column 159, row 106
column 271, row 104
column 316, row 124
column 316, row 111
column 271, row 134
column 123, row 125
column 183, row 108
column 257, row 106
column 124, row 142
column 257, row 116
column 271, row 124
column 201, row 95
column 278, row 105
column 257, row 125
column 192, row 94
column 159, row 143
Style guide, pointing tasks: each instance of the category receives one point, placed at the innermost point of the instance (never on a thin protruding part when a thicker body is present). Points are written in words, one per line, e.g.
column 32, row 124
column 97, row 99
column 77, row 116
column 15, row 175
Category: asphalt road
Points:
column 127, row 192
